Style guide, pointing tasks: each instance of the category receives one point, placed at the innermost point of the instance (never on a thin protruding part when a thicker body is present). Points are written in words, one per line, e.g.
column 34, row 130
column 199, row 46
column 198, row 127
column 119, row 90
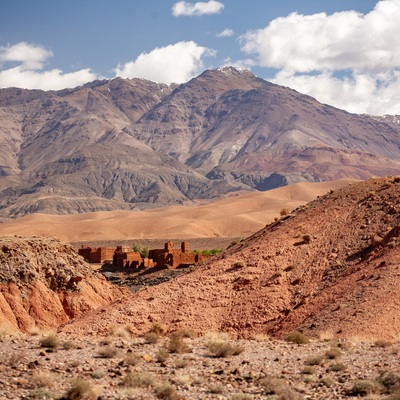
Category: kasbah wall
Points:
column 169, row 257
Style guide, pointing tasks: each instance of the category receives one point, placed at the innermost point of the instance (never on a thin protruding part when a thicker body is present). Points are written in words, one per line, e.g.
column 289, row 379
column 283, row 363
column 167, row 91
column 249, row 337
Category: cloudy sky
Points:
column 342, row 52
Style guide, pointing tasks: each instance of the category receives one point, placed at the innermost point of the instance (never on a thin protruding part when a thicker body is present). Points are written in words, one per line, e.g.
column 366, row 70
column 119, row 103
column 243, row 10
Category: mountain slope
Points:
column 132, row 143
column 331, row 266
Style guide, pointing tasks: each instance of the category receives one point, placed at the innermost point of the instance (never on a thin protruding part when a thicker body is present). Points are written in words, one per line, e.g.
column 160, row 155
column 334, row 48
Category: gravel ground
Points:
column 112, row 367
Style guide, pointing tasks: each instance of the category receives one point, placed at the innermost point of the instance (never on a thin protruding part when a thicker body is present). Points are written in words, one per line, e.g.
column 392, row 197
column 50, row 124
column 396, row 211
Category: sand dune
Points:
column 230, row 217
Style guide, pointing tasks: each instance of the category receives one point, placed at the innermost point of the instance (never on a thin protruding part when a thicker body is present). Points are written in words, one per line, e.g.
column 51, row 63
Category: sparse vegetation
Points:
column 82, row 389
column 107, row 352
column 364, row 387
column 284, row 211
column 307, row 238
column 151, row 337
column 50, row 341
column 139, row 379
column 211, row 252
column 177, row 345
column 333, row 353
column 166, row 392
column 43, row 379
column 239, row 264
column 221, row 348
column 297, row 337
column 162, row 356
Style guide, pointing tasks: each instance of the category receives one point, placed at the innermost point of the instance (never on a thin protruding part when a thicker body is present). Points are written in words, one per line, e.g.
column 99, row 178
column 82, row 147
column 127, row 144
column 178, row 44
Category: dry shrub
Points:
column 216, row 388
column 383, row 343
column 333, row 353
column 120, row 331
column 82, row 389
column 107, row 352
column 222, row 348
column 181, row 363
column 326, row 381
column 261, row 337
column 390, row 381
column 297, row 337
column 337, row 367
column 159, row 328
column 15, row 358
column 186, row 333
column 364, row 387
column 41, row 394
column 239, row 264
column 68, row 345
column 43, row 379
column 139, row 379
column 132, row 359
column 241, row 396
column 50, row 341
column 309, row 370
column 177, row 345
column 307, row 238
column 279, row 388
column 284, row 211
column 314, row 360
column 166, row 392
column 162, row 356
column 151, row 337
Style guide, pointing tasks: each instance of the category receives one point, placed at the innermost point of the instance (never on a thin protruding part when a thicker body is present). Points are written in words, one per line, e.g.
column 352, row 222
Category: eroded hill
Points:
column 44, row 283
column 331, row 266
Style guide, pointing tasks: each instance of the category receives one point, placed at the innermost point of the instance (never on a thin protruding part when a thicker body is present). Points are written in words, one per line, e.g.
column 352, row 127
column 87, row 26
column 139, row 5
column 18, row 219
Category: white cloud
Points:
column 197, row 9
column 346, row 59
column 174, row 63
column 28, row 73
column 226, row 33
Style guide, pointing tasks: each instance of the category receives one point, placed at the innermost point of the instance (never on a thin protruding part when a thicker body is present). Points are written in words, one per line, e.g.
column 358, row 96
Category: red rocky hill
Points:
column 44, row 283
column 331, row 266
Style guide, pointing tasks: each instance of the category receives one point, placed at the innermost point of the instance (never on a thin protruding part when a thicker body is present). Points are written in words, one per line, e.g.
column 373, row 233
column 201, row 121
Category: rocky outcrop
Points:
column 44, row 283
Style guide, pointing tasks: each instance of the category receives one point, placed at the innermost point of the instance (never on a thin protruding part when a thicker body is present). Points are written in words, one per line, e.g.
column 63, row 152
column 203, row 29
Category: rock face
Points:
column 132, row 143
column 44, row 283
column 332, row 266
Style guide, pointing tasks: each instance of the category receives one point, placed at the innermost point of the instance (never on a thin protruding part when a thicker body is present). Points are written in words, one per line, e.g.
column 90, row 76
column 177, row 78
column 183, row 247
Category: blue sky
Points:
column 343, row 52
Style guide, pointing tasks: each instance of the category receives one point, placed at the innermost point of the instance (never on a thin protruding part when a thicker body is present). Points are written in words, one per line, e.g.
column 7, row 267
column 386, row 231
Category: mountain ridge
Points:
column 132, row 143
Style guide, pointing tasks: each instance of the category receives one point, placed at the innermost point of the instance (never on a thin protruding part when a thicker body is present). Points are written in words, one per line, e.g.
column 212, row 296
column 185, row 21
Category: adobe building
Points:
column 97, row 255
column 168, row 257
column 172, row 258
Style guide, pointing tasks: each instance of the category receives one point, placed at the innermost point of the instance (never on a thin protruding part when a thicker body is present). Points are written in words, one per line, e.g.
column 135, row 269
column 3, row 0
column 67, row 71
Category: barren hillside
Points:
column 44, row 283
column 333, row 265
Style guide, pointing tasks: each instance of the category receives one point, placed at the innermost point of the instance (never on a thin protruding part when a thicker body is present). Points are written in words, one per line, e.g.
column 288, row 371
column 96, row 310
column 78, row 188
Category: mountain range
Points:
column 134, row 144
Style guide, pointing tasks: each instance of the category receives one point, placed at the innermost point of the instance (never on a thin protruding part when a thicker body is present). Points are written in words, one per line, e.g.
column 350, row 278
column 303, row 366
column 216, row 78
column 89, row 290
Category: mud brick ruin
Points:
column 169, row 257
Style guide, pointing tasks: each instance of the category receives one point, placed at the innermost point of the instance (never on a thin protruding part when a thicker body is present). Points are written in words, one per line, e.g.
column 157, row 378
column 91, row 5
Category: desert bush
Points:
column 216, row 388
column 186, row 333
column 68, row 345
column 151, row 337
column 393, row 396
column 326, row 381
column 261, row 337
column 15, row 358
column 364, row 387
column 314, row 360
column 82, row 389
column 307, row 238
column 41, row 394
column 383, row 343
column 181, row 363
column 297, row 337
column 239, row 264
column 284, row 211
column 162, row 356
column 119, row 331
column 242, row 396
column 177, row 345
column 107, row 352
column 309, row 370
column 50, row 341
column 278, row 387
column 333, row 353
column 98, row 374
column 221, row 348
column 132, row 359
column 166, row 392
column 158, row 327
column 390, row 381
column 43, row 379
column 336, row 367
column 139, row 379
